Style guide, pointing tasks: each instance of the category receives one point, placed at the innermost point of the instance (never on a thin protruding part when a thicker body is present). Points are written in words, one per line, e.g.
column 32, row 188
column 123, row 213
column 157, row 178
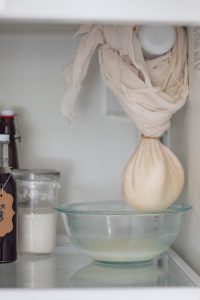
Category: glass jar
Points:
column 37, row 193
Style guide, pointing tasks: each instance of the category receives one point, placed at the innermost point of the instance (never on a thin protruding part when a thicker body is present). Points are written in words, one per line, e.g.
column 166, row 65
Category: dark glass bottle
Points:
column 7, row 126
column 8, row 209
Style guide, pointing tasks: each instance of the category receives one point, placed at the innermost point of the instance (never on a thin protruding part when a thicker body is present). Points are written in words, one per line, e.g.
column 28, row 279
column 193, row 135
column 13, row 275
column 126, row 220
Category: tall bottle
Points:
column 7, row 126
column 8, row 233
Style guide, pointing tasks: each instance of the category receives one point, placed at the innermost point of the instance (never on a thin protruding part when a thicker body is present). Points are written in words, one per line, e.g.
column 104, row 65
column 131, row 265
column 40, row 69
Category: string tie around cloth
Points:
column 150, row 91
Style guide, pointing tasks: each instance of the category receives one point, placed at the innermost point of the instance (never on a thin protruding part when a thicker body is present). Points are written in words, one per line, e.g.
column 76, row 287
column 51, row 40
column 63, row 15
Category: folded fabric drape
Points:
column 149, row 91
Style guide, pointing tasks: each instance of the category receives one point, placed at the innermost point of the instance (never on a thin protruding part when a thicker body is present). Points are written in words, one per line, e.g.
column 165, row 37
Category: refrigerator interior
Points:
column 92, row 153
column 68, row 268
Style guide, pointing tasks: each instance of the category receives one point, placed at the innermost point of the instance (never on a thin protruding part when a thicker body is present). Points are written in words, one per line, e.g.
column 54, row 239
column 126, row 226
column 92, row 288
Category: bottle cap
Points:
column 7, row 112
column 156, row 40
column 4, row 138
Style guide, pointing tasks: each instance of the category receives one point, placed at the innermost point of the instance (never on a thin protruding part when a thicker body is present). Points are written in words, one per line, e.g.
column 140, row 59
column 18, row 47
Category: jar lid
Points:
column 4, row 138
column 7, row 113
column 36, row 174
column 156, row 40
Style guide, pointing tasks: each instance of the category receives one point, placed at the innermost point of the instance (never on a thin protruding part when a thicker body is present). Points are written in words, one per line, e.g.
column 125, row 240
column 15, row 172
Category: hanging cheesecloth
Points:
column 150, row 92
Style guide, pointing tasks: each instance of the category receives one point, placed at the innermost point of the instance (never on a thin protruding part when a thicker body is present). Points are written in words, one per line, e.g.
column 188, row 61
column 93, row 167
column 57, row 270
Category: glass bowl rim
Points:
column 78, row 209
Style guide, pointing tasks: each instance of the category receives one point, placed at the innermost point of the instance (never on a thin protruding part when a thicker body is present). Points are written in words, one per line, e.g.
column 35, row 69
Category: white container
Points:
column 37, row 195
column 156, row 40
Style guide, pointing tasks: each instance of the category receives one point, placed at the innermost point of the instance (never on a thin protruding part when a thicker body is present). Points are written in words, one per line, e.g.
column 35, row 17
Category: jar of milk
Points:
column 37, row 193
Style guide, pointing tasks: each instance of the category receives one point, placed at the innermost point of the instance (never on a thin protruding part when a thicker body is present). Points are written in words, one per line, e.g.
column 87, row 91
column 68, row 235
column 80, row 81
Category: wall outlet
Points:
column 113, row 107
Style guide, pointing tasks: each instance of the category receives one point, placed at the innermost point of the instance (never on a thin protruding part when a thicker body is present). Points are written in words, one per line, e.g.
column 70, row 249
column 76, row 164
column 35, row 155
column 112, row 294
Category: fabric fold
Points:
column 76, row 70
column 150, row 91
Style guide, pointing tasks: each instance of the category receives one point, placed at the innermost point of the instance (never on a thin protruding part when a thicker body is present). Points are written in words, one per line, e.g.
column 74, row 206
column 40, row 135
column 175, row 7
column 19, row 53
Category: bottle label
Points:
column 6, row 213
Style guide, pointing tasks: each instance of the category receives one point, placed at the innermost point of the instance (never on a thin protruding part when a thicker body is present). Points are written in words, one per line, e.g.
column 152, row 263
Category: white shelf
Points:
column 76, row 11
column 69, row 274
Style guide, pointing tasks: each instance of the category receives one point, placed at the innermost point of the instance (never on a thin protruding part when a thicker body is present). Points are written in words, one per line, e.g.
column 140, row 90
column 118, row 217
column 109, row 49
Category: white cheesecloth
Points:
column 149, row 91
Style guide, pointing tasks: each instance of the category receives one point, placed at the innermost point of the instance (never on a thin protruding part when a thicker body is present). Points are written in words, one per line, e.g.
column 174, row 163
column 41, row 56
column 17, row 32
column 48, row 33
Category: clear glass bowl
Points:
column 113, row 232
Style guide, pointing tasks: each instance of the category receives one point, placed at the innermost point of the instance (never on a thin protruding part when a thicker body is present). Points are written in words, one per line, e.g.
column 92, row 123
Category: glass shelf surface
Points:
column 69, row 268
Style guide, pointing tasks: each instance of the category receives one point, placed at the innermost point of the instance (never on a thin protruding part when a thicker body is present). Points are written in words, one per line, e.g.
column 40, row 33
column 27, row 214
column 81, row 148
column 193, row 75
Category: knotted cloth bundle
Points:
column 150, row 92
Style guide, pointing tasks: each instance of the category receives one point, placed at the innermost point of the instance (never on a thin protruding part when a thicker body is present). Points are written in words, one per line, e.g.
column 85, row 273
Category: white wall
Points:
column 185, row 141
column 90, row 155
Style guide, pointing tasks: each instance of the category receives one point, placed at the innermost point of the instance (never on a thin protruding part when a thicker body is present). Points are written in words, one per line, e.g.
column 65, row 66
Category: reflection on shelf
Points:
column 68, row 267
column 99, row 275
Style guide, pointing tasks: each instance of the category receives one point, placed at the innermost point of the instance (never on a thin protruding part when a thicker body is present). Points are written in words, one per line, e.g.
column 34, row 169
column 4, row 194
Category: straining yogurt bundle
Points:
column 150, row 92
